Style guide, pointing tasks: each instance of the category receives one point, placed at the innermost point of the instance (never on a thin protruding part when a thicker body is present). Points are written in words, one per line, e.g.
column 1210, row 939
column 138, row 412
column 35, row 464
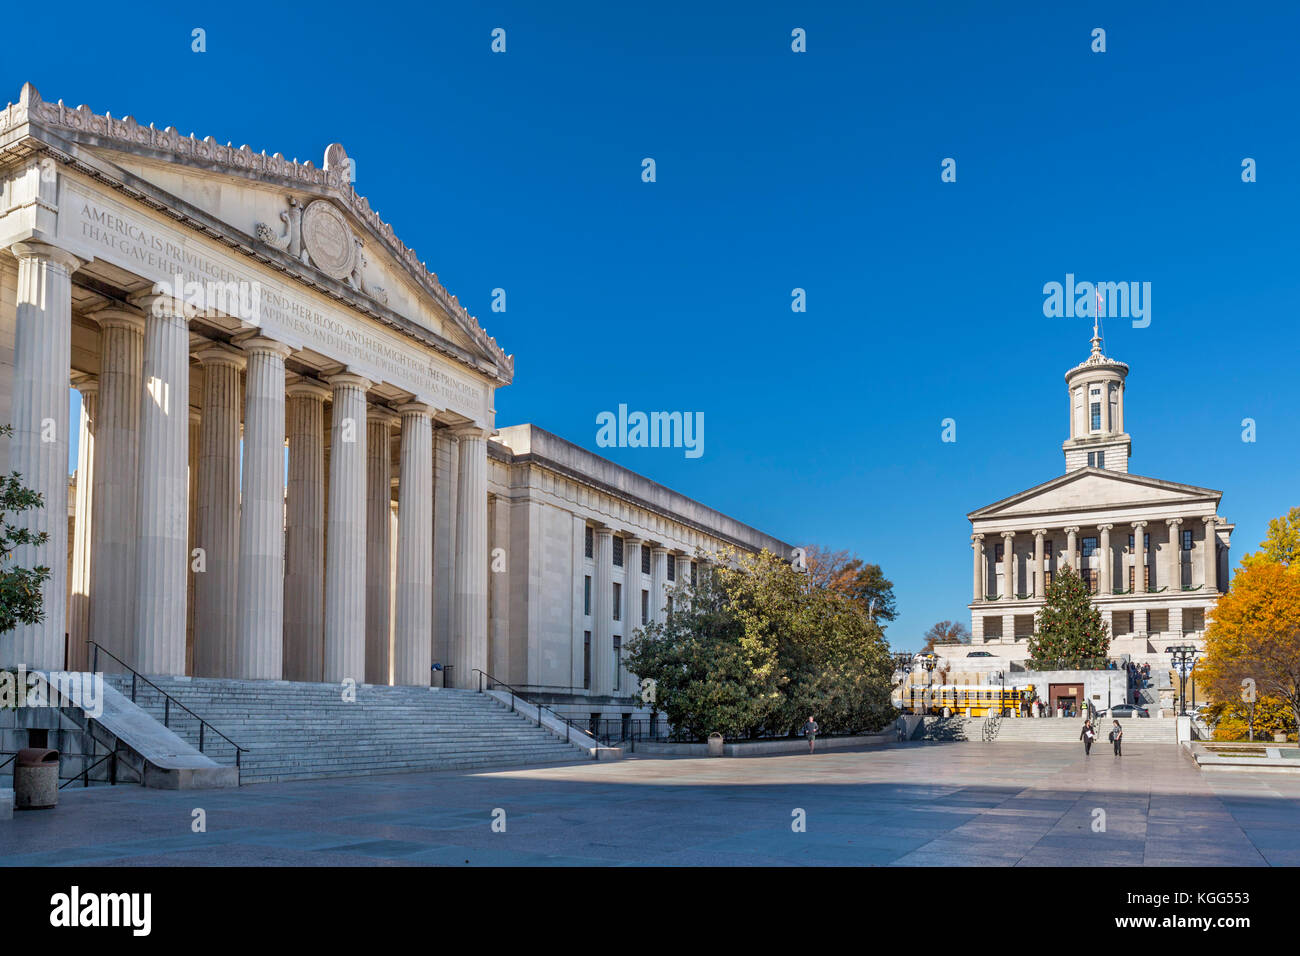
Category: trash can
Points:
column 36, row 779
column 715, row 745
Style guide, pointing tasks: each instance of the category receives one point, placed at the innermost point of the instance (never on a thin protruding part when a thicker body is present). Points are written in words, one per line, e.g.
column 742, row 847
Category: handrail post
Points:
column 167, row 711
column 133, row 677
column 202, row 724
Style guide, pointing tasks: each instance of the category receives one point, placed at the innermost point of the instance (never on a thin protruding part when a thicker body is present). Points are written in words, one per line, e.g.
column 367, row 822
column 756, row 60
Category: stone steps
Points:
column 297, row 731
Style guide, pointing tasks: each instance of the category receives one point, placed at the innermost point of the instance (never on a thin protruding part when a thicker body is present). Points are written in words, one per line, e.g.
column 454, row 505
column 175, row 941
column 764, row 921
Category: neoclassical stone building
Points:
column 1153, row 552
column 288, row 460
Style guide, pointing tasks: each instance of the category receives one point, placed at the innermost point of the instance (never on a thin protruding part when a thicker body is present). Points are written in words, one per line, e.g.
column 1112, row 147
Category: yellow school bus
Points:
column 984, row 700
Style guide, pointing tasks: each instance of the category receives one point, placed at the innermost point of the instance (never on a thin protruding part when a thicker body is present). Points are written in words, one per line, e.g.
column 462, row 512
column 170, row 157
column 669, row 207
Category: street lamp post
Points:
column 1183, row 656
column 903, row 661
column 929, row 661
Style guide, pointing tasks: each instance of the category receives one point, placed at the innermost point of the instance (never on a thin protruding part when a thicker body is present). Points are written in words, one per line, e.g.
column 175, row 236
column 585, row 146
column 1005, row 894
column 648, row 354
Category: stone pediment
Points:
column 297, row 216
column 1094, row 488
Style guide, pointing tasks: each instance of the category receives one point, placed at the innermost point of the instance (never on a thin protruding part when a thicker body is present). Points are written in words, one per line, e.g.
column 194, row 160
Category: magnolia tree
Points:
column 1069, row 633
column 755, row 646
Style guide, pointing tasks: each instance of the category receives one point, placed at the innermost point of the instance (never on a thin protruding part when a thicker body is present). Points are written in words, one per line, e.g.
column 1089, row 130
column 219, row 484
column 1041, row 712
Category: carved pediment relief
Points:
column 319, row 235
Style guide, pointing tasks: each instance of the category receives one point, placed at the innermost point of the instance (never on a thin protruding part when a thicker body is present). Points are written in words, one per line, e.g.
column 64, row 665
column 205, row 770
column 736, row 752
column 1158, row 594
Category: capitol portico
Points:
column 1154, row 553
column 288, row 463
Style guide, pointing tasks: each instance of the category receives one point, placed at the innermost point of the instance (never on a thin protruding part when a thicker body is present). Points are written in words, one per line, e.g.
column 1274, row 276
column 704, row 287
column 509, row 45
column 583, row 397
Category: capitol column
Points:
column 1072, row 548
column 658, row 583
column 1040, row 564
column 79, row 598
column 414, row 616
column 1008, row 564
column 117, row 453
column 304, row 566
column 602, row 615
column 1173, row 564
column 259, row 636
column 379, row 497
column 683, row 571
column 162, row 490
column 1107, row 559
column 1210, row 560
column 470, row 635
column 38, row 449
column 345, row 547
column 216, row 589
column 977, row 583
column 1140, row 555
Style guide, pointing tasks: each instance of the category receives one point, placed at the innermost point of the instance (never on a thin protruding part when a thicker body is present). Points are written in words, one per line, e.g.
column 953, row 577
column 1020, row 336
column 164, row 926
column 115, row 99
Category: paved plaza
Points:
column 955, row 804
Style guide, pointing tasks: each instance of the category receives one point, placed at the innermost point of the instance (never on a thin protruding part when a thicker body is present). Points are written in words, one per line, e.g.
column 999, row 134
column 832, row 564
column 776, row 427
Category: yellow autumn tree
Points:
column 1255, row 636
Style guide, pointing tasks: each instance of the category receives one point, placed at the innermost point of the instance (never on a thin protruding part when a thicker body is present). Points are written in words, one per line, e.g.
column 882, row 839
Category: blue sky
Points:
column 821, row 171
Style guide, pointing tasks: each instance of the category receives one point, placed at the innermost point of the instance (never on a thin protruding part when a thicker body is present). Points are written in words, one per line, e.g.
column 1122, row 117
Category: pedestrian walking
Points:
column 810, row 731
column 1087, row 735
column 1117, row 737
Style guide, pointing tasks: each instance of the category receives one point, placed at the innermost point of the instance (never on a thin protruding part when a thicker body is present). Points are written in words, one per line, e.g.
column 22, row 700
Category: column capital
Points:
column 39, row 249
column 382, row 415
column 659, row 549
column 255, row 342
column 215, row 353
column 307, row 388
column 1173, row 521
column 345, row 379
column 416, row 408
column 1140, row 524
column 1008, row 534
column 1072, row 529
column 116, row 317
column 630, row 538
column 161, row 305
column 603, row 529
column 1211, row 521
column 84, row 382
column 470, row 431
column 1104, row 527
column 977, row 536
column 1039, row 532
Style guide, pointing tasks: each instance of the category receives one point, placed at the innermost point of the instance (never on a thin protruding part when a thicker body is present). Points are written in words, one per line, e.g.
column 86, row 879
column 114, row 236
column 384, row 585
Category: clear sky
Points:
column 779, row 170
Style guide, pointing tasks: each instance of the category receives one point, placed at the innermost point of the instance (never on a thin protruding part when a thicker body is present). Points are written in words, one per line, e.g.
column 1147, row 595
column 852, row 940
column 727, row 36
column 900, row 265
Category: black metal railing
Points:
column 487, row 682
column 168, row 702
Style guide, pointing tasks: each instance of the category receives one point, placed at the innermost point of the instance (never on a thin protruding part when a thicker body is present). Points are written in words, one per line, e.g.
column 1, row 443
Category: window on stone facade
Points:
column 645, row 606
column 693, row 574
column 618, row 551
column 672, row 568
column 588, row 541
column 645, row 559
column 1187, row 540
column 997, row 552
column 618, row 601
column 1090, row 575
column 1095, row 412
column 1089, row 547
column 1096, row 459
column 586, row 594
column 586, row 660
column 618, row 661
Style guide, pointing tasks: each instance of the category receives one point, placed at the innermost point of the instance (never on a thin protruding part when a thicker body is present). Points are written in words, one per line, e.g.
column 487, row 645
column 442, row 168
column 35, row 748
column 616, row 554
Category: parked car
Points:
column 978, row 654
column 1125, row 710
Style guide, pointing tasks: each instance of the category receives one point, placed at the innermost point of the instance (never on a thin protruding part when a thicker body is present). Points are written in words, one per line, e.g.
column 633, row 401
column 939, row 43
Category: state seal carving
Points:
column 328, row 240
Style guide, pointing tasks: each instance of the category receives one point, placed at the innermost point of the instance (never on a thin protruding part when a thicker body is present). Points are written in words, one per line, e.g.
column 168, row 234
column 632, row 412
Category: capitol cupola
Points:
column 1096, row 393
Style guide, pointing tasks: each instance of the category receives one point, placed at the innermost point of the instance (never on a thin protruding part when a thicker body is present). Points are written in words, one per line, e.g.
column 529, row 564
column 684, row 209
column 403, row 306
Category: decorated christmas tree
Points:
column 1069, row 633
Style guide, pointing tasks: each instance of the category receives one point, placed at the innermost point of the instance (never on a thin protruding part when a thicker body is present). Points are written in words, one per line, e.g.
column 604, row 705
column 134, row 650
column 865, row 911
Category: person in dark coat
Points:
column 1087, row 735
column 1117, row 737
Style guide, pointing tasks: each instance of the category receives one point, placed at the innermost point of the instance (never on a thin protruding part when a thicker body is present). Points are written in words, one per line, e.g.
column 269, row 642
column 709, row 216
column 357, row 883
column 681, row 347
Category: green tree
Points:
column 1069, row 633
column 862, row 583
column 753, row 649
column 20, row 588
column 945, row 632
column 1281, row 545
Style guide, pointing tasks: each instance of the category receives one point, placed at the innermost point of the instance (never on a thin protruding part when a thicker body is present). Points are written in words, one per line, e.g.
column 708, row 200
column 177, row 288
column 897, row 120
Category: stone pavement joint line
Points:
column 913, row 805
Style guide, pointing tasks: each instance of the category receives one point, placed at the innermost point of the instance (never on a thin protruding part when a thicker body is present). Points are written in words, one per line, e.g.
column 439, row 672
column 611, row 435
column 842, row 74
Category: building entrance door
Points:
column 1065, row 698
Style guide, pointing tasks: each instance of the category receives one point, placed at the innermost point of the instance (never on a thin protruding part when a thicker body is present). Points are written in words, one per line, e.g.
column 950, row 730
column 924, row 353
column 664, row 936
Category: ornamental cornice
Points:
column 334, row 175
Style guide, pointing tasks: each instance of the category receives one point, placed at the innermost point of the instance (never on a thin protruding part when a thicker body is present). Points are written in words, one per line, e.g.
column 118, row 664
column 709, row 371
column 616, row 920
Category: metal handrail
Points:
column 168, row 700
column 482, row 674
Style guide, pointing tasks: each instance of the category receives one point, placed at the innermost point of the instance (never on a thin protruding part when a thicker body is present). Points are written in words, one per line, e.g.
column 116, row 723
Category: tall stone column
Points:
column 446, row 474
column 1210, row 557
column 1072, row 548
column 345, row 530
column 216, row 589
column 1140, row 550
column 977, row 585
column 1107, row 559
column 79, row 597
column 304, row 567
column 162, row 490
column 117, row 454
column 1040, row 564
column 259, row 635
column 1008, row 564
column 1173, row 564
column 683, row 575
column 658, row 584
column 192, row 536
column 414, row 614
column 632, row 604
column 470, row 637
column 379, row 497
column 39, row 447
column 602, row 615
